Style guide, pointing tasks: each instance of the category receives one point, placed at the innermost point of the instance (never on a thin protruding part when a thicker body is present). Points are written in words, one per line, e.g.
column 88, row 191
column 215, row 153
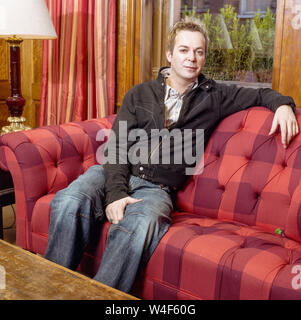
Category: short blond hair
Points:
column 189, row 24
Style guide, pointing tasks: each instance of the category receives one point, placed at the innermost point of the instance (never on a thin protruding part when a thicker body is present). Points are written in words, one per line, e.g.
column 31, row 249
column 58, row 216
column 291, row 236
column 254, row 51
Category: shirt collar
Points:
column 170, row 91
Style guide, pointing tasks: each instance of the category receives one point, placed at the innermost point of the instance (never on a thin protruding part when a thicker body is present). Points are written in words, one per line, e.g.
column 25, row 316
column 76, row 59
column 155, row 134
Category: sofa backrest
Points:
column 54, row 154
column 248, row 176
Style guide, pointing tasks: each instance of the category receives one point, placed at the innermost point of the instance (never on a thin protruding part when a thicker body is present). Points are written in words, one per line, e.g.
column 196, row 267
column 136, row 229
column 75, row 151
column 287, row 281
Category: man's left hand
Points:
column 285, row 118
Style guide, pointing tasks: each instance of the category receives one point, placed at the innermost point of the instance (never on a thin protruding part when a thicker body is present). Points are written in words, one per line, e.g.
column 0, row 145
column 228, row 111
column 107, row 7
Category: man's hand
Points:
column 285, row 118
column 115, row 210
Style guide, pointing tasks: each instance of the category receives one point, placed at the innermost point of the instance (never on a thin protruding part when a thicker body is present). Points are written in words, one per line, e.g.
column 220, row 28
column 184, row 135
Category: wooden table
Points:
column 31, row 277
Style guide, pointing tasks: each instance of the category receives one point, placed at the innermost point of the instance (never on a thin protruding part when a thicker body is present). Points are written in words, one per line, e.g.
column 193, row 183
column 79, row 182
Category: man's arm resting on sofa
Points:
column 239, row 98
column 285, row 119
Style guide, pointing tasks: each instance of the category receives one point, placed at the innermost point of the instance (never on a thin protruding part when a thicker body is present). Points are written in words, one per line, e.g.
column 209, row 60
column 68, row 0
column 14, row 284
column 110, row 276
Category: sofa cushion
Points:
column 248, row 176
column 216, row 259
column 200, row 257
column 293, row 224
column 40, row 223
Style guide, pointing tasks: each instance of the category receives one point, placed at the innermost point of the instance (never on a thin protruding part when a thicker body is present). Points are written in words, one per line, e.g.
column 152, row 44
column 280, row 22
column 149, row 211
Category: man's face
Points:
column 188, row 56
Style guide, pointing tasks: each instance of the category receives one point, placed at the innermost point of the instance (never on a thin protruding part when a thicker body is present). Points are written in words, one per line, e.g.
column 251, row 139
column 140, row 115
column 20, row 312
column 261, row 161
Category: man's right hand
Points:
column 115, row 210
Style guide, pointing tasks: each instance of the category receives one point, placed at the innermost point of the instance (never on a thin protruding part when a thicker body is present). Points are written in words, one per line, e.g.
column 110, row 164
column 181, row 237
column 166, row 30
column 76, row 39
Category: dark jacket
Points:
column 203, row 107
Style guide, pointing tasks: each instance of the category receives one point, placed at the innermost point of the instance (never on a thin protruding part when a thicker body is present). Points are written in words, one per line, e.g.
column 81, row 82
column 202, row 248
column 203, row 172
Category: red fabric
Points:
column 206, row 258
column 248, row 177
column 45, row 160
column 222, row 242
column 78, row 68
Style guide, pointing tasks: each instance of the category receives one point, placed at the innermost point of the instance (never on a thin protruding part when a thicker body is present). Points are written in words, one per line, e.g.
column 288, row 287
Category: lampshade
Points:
column 25, row 19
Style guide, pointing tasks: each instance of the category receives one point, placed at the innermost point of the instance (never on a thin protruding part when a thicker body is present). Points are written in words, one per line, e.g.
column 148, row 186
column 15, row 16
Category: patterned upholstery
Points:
column 43, row 161
column 222, row 243
column 248, row 177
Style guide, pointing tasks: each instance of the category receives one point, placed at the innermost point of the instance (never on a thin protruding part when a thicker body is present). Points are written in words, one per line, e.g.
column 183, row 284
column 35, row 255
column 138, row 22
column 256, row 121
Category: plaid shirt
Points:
column 173, row 100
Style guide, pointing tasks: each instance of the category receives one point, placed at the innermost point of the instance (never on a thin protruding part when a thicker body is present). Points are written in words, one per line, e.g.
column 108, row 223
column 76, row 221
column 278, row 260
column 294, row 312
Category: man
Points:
column 138, row 197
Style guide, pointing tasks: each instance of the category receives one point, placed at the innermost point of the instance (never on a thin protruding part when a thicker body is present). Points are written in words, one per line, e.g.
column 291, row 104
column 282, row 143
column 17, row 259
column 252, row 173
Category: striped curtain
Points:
column 78, row 68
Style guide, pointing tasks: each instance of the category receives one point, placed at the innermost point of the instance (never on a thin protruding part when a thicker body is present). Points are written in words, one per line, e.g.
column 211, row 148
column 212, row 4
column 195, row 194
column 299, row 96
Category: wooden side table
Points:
column 7, row 194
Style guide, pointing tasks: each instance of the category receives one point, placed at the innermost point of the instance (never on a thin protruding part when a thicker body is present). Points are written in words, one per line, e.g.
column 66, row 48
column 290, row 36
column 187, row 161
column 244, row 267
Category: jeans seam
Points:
column 80, row 214
column 90, row 198
column 122, row 229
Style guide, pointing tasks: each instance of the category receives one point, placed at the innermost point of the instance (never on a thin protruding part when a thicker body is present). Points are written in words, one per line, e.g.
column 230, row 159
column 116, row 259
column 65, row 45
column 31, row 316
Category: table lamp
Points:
column 21, row 20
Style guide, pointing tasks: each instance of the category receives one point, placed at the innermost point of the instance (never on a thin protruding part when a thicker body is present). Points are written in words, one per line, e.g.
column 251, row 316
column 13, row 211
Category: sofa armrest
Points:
column 45, row 160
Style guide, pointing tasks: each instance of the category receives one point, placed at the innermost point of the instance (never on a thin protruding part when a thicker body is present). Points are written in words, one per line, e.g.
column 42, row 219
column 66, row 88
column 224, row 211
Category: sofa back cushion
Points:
column 248, row 176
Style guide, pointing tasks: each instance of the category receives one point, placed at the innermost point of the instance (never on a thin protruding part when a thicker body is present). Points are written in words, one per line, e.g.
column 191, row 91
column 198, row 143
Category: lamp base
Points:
column 16, row 124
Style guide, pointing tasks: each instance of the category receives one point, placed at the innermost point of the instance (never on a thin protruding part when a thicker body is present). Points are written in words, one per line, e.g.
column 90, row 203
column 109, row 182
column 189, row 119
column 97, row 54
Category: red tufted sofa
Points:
column 236, row 233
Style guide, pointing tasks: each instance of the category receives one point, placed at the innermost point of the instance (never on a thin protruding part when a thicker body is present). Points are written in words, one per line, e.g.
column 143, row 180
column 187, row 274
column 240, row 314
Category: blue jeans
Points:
column 77, row 211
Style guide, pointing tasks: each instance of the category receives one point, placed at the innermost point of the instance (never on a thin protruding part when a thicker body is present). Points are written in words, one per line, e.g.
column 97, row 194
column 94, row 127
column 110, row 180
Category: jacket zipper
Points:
column 184, row 102
column 181, row 112
column 151, row 153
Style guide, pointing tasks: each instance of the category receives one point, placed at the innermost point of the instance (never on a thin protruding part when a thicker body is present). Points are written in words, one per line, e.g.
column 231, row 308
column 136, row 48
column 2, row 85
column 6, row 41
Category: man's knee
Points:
column 144, row 218
column 155, row 206
column 92, row 179
column 89, row 185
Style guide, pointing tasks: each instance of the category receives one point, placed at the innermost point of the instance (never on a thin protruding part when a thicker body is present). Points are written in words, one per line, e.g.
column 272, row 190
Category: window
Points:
column 248, row 8
column 241, row 37
column 199, row 5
